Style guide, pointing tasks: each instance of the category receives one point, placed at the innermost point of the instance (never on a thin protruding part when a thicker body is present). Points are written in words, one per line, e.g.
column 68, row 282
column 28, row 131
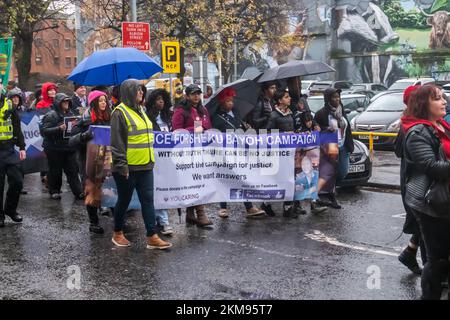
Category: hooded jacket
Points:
column 421, row 153
column 46, row 101
column 322, row 118
column 16, row 92
column 53, row 136
column 119, row 130
column 18, row 138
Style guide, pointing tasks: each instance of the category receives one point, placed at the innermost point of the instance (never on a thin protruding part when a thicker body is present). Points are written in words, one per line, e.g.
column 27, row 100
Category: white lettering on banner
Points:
column 193, row 169
column 31, row 134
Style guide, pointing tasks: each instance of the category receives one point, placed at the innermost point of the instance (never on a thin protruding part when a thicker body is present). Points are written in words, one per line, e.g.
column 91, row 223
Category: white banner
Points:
column 193, row 169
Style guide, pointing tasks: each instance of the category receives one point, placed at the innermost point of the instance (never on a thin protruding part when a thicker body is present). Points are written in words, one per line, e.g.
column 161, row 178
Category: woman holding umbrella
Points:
column 227, row 118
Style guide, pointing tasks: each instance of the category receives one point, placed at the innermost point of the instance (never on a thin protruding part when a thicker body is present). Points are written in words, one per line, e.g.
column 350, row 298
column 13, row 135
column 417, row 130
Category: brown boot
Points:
column 155, row 242
column 190, row 216
column 202, row 218
column 119, row 239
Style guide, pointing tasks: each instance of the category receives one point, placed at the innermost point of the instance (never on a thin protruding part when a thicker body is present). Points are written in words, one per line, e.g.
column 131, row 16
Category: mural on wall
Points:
column 385, row 40
column 367, row 41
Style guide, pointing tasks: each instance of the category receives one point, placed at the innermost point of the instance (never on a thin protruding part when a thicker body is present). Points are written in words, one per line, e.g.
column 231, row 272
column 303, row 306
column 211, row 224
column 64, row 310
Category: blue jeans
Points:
column 344, row 163
column 162, row 217
column 142, row 181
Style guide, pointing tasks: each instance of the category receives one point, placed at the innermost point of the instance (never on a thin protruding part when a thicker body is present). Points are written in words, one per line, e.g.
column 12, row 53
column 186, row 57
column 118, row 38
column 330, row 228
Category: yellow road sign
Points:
column 171, row 56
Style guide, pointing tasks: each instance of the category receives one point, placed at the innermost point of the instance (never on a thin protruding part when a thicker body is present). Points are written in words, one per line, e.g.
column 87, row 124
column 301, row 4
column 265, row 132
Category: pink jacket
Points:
column 179, row 121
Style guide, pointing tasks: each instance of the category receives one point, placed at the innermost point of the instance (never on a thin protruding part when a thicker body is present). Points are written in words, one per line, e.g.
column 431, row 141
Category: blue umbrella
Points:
column 113, row 66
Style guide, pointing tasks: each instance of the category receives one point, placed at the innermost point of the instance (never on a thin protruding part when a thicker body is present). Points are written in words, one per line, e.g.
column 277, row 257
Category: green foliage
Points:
column 399, row 18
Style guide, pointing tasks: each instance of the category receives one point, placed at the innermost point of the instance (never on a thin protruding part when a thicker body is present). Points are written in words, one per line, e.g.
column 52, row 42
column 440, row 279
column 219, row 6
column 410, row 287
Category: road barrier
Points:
column 371, row 135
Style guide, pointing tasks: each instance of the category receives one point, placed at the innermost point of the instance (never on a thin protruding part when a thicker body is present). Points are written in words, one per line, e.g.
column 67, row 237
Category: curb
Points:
column 383, row 186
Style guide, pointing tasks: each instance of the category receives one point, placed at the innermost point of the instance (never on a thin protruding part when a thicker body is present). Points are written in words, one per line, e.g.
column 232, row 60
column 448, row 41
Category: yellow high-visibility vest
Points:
column 6, row 128
column 140, row 136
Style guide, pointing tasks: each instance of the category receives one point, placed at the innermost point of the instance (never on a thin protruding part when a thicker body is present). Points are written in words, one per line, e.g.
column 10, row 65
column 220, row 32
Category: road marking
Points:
column 401, row 215
column 321, row 237
column 244, row 245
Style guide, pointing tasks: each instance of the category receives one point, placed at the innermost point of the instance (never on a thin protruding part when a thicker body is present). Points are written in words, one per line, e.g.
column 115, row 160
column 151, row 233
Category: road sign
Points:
column 170, row 54
column 136, row 35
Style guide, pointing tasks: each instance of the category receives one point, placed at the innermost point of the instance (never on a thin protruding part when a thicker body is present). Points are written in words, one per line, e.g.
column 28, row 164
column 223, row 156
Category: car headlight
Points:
column 394, row 126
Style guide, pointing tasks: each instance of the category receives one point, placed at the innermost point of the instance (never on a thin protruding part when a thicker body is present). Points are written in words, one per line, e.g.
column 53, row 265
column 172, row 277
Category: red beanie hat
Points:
column 408, row 92
column 225, row 94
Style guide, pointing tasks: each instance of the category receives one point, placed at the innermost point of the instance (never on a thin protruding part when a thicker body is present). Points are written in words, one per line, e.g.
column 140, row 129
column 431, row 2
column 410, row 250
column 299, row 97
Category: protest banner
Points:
column 192, row 169
column 36, row 160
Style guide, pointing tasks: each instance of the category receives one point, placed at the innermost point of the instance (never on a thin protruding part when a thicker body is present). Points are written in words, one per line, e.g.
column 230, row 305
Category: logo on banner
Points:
column 236, row 194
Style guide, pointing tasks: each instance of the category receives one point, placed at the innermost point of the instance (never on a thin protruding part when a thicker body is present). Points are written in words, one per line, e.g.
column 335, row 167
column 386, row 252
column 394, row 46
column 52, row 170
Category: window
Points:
column 38, row 42
column 74, row 43
column 68, row 62
column 55, row 43
column 56, row 61
column 55, row 23
column 38, row 59
column 67, row 44
column 75, row 61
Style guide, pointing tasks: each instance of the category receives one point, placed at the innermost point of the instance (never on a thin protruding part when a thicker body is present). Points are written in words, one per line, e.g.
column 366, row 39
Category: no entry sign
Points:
column 136, row 35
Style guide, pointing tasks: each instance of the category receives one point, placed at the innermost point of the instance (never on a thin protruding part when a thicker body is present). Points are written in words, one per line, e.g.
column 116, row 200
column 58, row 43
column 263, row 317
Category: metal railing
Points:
column 372, row 134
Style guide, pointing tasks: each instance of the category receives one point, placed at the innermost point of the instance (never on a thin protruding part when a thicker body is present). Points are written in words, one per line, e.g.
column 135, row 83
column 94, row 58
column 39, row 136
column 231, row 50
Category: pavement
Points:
column 385, row 171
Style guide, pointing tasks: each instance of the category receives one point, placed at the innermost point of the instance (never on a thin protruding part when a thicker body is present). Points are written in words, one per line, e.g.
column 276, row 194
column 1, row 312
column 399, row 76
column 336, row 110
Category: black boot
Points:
column 15, row 217
column 95, row 228
column 298, row 208
column 2, row 219
column 431, row 279
column 408, row 258
column 334, row 204
column 288, row 211
column 93, row 219
column 268, row 209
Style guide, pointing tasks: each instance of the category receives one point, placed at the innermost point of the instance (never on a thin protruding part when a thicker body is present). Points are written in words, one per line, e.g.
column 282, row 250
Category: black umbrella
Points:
column 247, row 93
column 251, row 73
column 295, row 68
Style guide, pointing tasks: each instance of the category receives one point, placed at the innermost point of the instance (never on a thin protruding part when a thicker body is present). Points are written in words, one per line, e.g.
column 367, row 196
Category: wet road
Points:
column 340, row 254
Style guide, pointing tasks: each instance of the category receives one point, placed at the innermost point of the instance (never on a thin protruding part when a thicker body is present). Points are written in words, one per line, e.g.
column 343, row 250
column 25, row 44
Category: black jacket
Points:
column 222, row 121
column 280, row 121
column 76, row 104
column 322, row 118
column 53, row 136
column 260, row 115
column 422, row 167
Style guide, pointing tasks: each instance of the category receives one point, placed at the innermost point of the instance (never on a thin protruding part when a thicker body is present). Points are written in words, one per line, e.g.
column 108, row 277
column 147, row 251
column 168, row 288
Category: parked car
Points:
column 360, row 169
column 374, row 87
column 353, row 104
column 317, row 88
column 446, row 88
column 306, row 84
column 382, row 115
column 402, row 84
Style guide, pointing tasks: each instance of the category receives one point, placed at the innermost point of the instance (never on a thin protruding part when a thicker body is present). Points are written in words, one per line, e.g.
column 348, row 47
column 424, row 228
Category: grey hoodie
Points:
column 119, row 130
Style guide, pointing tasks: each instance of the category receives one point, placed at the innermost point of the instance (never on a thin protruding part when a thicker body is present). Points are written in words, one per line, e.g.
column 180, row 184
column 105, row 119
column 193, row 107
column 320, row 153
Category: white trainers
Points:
column 167, row 230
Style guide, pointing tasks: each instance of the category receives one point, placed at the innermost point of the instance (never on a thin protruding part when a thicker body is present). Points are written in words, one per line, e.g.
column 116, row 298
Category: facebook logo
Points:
column 236, row 194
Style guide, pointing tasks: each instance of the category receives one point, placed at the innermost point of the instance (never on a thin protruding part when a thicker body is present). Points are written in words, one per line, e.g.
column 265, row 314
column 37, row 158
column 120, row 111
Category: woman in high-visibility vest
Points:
column 133, row 161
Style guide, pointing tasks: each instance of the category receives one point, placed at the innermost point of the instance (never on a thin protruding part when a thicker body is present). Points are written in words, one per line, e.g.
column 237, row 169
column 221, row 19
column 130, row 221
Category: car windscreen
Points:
column 319, row 86
column 388, row 102
column 353, row 103
column 401, row 85
column 358, row 87
column 315, row 104
column 305, row 85
column 343, row 85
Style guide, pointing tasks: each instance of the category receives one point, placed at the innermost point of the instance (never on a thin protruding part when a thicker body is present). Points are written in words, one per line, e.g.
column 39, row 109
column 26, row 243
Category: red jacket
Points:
column 409, row 122
column 46, row 101
column 179, row 121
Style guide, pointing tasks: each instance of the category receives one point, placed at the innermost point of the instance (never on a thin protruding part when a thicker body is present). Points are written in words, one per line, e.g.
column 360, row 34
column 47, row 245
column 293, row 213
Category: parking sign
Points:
column 171, row 56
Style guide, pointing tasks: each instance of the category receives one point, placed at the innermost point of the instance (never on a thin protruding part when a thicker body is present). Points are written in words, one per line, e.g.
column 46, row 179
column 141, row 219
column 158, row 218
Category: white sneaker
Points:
column 56, row 196
column 167, row 230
